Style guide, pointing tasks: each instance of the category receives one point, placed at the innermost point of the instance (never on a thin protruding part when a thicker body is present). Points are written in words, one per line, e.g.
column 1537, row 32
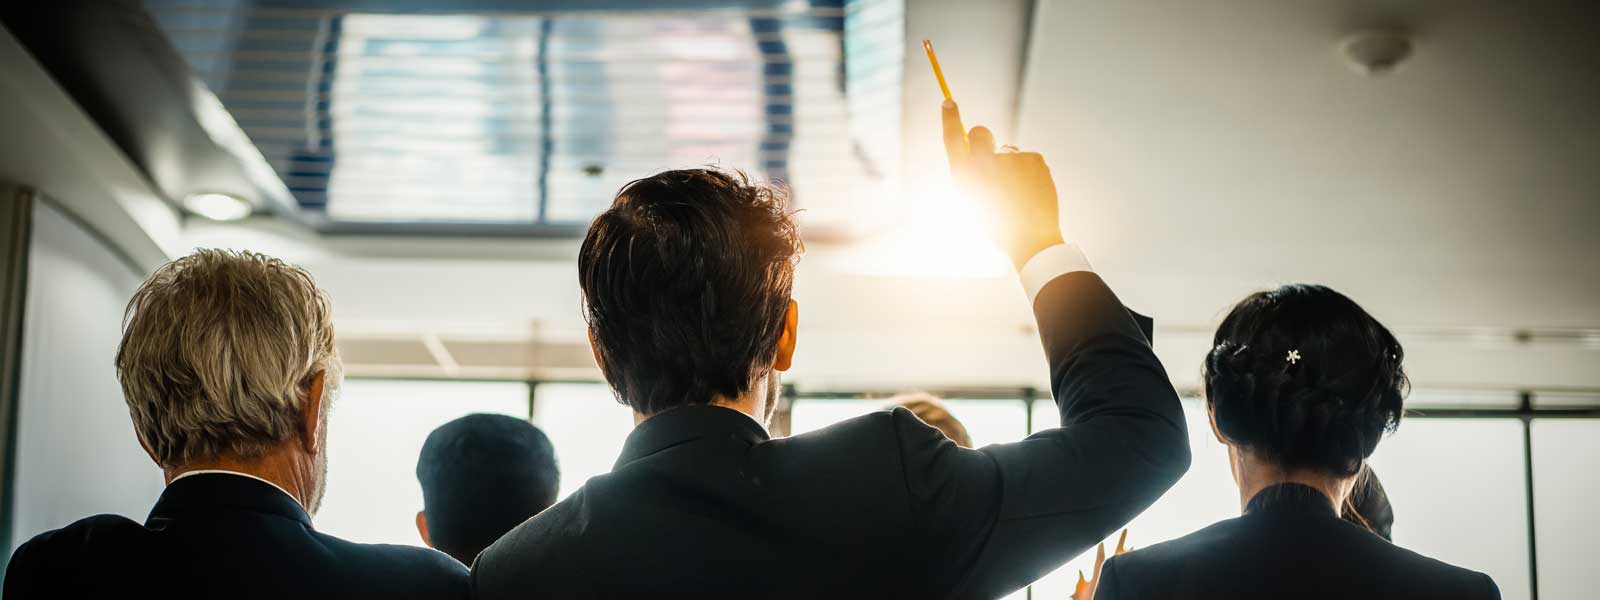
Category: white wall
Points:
column 76, row 453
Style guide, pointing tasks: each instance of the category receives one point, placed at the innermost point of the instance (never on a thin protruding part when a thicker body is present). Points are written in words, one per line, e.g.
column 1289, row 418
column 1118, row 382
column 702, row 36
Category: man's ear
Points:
column 422, row 527
column 786, row 342
column 311, row 413
column 593, row 347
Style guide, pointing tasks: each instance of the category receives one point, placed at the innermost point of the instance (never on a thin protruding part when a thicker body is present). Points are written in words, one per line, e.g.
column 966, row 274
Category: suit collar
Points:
column 688, row 423
column 1291, row 498
column 225, row 491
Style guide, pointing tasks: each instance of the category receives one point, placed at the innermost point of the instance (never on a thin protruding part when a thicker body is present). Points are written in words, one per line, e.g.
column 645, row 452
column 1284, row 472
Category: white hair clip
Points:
column 1294, row 357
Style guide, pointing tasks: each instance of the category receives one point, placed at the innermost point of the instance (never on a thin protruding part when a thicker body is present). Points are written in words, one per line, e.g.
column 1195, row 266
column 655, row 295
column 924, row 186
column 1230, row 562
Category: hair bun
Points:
column 1328, row 407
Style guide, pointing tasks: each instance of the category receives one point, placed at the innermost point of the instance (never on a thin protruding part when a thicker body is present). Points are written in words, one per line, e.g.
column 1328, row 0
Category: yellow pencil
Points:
column 937, row 72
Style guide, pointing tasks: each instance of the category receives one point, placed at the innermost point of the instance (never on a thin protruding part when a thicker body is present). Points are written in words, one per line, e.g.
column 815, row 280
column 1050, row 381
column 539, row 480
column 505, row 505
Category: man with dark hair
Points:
column 686, row 284
column 482, row 475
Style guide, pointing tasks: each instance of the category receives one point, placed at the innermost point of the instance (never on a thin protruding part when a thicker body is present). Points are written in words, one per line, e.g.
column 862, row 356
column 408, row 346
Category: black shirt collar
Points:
column 224, row 491
column 1291, row 498
column 685, row 424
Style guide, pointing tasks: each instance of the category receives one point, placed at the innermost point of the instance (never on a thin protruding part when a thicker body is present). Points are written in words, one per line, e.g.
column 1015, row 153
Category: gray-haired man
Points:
column 228, row 367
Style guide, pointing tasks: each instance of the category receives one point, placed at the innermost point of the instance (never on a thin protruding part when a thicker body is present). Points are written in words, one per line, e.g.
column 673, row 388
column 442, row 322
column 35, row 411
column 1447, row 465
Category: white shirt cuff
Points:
column 1049, row 264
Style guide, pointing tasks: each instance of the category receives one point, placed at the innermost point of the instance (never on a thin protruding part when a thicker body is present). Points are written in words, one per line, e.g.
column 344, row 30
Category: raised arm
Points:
column 1010, row 513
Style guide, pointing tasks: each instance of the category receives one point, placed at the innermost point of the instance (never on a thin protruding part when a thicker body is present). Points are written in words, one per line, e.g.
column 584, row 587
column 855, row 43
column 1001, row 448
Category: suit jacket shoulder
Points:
column 223, row 536
column 1245, row 557
column 415, row 571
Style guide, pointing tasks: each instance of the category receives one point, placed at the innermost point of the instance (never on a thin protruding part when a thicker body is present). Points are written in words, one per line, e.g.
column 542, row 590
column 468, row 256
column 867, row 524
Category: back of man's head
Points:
column 481, row 476
column 686, row 283
column 219, row 350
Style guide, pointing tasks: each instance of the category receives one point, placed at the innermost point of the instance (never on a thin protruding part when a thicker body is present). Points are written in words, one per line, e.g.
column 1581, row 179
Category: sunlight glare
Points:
column 945, row 237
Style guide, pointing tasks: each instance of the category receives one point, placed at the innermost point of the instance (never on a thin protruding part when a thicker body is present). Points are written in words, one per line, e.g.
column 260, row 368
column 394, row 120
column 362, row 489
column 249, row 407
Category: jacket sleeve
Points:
column 1491, row 591
column 998, row 518
column 20, row 573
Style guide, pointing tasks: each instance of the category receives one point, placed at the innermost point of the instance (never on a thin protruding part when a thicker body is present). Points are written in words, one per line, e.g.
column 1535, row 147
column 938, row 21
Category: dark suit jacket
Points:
column 702, row 504
column 222, row 536
column 1288, row 544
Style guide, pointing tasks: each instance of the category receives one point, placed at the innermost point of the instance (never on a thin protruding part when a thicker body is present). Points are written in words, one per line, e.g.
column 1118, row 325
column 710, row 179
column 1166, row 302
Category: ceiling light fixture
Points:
column 1376, row 52
column 218, row 207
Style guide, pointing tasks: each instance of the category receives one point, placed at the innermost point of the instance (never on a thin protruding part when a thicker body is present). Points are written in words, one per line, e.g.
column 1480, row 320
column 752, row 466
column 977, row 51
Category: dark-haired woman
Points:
column 1300, row 384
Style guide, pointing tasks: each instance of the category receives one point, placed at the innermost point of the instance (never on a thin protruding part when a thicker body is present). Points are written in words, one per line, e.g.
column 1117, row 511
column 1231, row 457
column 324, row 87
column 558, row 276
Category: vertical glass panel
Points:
column 376, row 431
column 586, row 425
column 1458, row 494
column 1205, row 495
column 1566, row 481
column 987, row 421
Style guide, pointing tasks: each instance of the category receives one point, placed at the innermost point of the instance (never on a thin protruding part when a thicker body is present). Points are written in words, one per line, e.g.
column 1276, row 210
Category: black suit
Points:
column 222, row 536
column 702, row 504
column 1288, row 544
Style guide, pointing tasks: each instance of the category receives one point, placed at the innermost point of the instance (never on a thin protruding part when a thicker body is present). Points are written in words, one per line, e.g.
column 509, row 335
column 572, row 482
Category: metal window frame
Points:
column 16, row 229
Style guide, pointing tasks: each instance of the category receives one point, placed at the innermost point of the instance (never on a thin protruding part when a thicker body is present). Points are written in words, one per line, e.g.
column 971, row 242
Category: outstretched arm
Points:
column 1008, row 514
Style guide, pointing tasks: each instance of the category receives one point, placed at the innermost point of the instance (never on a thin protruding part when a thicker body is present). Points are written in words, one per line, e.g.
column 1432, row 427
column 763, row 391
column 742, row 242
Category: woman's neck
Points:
column 1254, row 475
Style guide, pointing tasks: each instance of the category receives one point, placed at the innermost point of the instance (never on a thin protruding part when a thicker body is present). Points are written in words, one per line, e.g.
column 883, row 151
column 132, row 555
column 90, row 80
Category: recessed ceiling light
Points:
column 1376, row 52
column 218, row 207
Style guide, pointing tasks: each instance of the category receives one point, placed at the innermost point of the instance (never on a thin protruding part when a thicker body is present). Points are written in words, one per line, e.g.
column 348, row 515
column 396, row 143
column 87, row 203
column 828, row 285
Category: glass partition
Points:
column 1566, row 481
column 1459, row 496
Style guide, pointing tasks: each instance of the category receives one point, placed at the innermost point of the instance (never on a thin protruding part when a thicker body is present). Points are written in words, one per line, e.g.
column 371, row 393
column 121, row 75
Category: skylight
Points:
column 538, row 118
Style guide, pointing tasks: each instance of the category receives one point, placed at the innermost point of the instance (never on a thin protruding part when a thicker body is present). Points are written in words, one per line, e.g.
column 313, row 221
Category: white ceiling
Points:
column 1209, row 149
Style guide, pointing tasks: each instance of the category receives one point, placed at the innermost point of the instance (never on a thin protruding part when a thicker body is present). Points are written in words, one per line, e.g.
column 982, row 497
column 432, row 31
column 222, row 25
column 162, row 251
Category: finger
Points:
column 1122, row 542
column 980, row 147
column 955, row 135
column 1099, row 560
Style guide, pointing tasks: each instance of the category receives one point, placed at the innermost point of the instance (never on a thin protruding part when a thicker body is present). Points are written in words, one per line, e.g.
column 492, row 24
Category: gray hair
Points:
column 218, row 349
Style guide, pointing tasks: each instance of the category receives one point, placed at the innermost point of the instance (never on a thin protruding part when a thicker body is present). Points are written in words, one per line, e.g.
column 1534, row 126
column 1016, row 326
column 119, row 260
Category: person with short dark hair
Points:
column 687, row 282
column 1301, row 384
column 482, row 475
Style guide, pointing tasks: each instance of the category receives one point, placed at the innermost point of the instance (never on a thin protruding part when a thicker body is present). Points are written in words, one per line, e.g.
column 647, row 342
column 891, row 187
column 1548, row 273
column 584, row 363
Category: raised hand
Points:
column 1015, row 187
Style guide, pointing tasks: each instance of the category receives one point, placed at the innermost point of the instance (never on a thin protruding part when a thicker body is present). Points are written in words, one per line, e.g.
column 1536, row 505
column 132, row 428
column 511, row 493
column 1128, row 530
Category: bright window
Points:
column 1205, row 495
column 586, row 425
column 1566, row 480
column 374, row 435
column 1458, row 494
